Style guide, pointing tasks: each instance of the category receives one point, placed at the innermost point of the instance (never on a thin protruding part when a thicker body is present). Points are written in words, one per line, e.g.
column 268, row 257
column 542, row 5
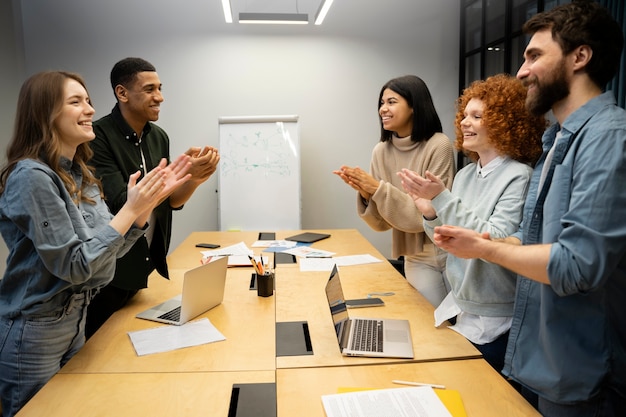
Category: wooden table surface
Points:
column 483, row 392
column 107, row 378
column 245, row 319
column 190, row 394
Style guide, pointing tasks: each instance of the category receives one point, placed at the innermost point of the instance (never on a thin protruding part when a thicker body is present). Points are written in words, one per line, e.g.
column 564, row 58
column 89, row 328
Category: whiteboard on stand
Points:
column 259, row 173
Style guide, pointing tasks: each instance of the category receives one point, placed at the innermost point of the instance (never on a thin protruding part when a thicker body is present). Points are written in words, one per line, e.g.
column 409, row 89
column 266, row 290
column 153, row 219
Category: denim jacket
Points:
column 56, row 247
column 568, row 338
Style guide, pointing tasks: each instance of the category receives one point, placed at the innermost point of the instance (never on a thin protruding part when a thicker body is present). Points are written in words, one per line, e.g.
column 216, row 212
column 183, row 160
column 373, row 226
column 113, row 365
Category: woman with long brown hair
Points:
column 62, row 239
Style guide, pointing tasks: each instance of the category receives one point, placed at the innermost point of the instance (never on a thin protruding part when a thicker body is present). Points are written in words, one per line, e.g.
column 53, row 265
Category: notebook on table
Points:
column 373, row 337
column 203, row 289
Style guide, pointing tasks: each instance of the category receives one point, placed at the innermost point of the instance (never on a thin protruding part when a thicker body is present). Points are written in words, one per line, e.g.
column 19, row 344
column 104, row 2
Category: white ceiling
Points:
column 276, row 6
column 353, row 18
column 380, row 20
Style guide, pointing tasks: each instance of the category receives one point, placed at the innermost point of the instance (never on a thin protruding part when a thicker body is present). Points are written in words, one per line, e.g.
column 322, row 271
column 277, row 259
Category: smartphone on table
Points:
column 364, row 302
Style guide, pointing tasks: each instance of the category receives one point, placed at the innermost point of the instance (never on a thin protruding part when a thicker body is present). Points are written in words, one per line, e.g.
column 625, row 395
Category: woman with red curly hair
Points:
column 494, row 129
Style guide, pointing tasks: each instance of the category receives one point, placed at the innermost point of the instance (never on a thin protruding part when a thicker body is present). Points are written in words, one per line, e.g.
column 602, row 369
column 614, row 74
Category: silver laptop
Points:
column 385, row 338
column 203, row 289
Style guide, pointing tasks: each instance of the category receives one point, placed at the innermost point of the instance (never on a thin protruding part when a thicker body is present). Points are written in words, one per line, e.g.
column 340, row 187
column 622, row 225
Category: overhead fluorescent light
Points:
column 228, row 11
column 274, row 18
column 321, row 13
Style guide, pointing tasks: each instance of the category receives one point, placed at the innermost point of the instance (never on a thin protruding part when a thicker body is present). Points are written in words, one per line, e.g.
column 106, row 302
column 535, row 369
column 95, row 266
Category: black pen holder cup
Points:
column 265, row 284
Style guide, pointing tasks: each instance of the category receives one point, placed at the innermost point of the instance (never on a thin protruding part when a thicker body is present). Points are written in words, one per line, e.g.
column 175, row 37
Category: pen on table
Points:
column 418, row 384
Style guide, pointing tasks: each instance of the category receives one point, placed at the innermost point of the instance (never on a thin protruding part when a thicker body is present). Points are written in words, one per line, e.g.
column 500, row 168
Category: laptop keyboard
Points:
column 173, row 315
column 368, row 335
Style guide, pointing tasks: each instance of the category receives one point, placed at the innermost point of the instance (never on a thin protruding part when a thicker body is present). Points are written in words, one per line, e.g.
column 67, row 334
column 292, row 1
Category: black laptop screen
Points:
column 336, row 300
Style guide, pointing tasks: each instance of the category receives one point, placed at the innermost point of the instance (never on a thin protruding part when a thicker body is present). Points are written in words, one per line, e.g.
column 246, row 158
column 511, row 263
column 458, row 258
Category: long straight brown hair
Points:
column 35, row 135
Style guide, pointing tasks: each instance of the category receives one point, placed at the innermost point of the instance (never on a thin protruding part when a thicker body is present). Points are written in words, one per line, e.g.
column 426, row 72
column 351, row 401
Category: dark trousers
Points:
column 608, row 403
column 493, row 352
column 103, row 305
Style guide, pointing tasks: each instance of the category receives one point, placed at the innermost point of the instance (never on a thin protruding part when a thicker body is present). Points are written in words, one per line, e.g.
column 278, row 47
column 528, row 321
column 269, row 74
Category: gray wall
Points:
column 11, row 71
column 331, row 82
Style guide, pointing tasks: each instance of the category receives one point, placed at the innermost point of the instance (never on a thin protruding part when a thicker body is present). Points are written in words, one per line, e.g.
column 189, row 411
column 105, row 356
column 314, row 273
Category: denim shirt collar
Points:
column 73, row 169
column 578, row 118
column 533, row 211
column 66, row 164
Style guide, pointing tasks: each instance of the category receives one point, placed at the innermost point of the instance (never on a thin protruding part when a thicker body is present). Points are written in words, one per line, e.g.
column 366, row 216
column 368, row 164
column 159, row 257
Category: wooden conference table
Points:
column 107, row 377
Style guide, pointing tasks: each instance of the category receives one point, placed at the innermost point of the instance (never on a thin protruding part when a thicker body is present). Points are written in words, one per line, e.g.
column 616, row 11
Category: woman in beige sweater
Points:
column 411, row 137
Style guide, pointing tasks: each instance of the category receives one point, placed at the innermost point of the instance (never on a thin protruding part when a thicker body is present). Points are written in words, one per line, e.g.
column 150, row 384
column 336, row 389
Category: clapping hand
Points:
column 203, row 162
column 429, row 186
column 177, row 173
column 358, row 179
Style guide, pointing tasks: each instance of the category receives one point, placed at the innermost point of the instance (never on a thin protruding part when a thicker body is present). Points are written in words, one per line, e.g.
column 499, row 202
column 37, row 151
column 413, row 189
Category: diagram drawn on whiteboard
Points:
column 259, row 173
column 269, row 151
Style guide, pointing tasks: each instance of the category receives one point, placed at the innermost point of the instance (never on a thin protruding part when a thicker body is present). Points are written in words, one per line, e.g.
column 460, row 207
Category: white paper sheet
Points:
column 237, row 255
column 284, row 244
column 237, row 249
column 396, row 402
column 309, row 252
column 326, row 264
column 171, row 337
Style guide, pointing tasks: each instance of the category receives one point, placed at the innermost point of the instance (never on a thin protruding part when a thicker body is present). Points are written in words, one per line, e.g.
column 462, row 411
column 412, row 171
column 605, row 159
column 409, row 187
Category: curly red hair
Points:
column 513, row 131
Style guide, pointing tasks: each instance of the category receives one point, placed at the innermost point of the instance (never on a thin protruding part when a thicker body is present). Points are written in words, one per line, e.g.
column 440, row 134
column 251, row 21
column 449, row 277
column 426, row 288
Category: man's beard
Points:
column 548, row 93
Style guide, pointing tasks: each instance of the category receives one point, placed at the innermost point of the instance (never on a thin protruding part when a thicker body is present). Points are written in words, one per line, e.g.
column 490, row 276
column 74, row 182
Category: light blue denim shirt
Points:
column 569, row 337
column 56, row 248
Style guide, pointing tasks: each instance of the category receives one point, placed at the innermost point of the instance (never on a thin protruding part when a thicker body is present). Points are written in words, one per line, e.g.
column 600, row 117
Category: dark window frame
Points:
column 511, row 34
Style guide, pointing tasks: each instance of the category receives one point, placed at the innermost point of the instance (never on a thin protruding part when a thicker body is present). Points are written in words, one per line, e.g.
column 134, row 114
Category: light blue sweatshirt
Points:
column 493, row 204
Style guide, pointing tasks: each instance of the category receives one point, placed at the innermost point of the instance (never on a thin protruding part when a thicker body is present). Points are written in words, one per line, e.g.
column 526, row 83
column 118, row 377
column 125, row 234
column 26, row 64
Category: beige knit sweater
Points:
column 390, row 207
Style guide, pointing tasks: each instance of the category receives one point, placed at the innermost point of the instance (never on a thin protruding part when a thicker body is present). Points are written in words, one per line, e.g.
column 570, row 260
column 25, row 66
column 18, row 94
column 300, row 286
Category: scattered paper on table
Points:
column 276, row 244
column 237, row 255
column 326, row 264
column 309, row 252
column 171, row 337
column 283, row 245
column 356, row 260
column 397, row 402
column 451, row 398
column 243, row 260
column 237, row 249
column 317, row 264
